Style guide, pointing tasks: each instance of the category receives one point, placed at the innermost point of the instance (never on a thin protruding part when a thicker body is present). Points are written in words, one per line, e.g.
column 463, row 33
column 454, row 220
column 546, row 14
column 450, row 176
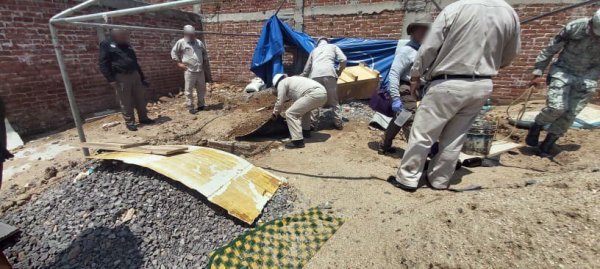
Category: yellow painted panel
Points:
column 225, row 179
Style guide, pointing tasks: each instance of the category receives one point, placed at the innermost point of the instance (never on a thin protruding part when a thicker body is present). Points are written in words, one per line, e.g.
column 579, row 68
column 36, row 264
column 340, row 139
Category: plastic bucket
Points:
column 479, row 139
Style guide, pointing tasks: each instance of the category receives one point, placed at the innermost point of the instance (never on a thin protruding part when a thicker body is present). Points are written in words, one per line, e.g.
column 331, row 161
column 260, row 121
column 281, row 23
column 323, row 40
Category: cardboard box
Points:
column 358, row 83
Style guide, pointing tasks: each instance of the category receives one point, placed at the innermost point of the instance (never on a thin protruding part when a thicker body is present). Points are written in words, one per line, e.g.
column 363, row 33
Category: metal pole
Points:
column 63, row 69
column 558, row 11
column 280, row 6
column 128, row 11
column 151, row 29
column 69, row 11
column 439, row 8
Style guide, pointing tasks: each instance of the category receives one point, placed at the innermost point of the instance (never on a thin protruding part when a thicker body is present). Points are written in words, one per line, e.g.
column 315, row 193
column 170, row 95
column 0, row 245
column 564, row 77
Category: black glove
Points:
column 5, row 155
column 145, row 83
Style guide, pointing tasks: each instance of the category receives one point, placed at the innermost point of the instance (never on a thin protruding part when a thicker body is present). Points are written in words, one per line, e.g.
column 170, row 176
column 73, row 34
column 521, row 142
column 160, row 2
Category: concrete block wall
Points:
column 30, row 81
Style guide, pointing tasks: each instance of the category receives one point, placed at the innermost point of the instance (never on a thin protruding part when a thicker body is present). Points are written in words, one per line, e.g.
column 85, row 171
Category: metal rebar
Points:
column 152, row 29
column 128, row 11
column 63, row 69
column 558, row 11
column 280, row 6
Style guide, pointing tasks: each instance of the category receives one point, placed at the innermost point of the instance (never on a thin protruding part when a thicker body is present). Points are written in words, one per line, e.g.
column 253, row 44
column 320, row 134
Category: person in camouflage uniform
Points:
column 572, row 80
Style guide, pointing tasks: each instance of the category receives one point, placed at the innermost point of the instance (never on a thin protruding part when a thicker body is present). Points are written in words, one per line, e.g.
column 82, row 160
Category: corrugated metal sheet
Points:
column 225, row 179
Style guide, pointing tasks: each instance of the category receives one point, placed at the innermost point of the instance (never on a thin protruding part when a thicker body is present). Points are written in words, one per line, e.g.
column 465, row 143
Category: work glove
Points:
column 5, row 155
column 396, row 105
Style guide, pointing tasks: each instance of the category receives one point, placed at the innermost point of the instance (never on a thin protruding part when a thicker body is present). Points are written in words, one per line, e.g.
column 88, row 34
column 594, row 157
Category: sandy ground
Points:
column 532, row 212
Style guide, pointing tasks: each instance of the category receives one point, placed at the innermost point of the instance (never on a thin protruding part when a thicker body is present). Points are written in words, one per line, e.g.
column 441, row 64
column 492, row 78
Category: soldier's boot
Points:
column 533, row 137
column 547, row 145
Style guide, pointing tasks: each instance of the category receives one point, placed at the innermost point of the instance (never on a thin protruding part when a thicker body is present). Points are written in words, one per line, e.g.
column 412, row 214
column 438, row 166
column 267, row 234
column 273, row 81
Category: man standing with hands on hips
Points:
column 191, row 56
column 468, row 43
column 119, row 64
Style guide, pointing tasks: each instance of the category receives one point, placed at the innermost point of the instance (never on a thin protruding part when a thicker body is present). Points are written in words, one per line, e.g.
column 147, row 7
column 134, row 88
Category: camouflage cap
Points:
column 596, row 23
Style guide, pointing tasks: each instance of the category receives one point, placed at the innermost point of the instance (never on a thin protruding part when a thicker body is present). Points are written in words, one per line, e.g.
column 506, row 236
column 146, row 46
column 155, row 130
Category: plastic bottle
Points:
column 402, row 117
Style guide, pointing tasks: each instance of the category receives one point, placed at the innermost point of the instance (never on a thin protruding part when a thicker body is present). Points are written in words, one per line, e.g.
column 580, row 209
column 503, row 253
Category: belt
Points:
column 446, row 77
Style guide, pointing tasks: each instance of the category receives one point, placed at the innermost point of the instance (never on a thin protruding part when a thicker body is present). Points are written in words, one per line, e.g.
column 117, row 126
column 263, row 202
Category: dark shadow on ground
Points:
column 529, row 151
column 211, row 107
column 317, row 137
column 534, row 151
column 102, row 247
column 396, row 155
column 160, row 120
column 569, row 147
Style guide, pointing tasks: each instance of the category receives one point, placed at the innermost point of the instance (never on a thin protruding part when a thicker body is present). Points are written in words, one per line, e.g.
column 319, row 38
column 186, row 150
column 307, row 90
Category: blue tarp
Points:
column 267, row 59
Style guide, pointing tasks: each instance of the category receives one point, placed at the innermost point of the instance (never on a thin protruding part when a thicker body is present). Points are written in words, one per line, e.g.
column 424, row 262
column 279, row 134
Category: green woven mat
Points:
column 284, row 243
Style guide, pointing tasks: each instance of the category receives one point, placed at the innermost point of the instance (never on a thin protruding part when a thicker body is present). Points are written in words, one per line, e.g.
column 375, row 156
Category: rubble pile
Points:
column 123, row 216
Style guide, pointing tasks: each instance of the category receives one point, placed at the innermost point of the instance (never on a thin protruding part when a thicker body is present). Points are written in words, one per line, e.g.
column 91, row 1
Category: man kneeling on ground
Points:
column 307, row 95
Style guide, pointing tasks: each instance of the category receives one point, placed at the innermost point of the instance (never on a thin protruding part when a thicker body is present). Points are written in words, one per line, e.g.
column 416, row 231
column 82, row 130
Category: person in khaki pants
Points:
column 465, row 48
column 307, row 95
column 191, row 56
column 119, row 64
column 320, row 67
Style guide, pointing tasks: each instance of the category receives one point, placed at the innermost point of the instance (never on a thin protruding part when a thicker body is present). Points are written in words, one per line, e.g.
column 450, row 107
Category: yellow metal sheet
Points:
column 225, row 179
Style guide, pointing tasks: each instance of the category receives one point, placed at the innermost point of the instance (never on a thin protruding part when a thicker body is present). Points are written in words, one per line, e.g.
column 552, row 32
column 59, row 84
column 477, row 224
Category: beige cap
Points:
column 422, row 20
column 596, row 23
column 188, row 29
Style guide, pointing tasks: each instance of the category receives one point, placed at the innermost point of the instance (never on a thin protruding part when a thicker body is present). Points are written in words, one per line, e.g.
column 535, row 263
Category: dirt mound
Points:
column 257, row 109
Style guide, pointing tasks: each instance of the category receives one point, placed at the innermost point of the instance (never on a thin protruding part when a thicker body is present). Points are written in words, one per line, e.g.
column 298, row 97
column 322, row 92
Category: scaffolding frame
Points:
column 65, row 18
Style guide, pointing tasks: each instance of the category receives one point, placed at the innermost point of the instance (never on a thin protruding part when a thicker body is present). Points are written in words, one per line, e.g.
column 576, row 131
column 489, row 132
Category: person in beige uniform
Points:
column 468, row 43
column 191, row 56
column 307, row 95
column 321, row 68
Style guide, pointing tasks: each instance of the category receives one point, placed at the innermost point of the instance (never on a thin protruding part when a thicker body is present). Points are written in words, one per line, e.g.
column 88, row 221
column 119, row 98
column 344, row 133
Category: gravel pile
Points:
column 358, row 110
column 124, row 216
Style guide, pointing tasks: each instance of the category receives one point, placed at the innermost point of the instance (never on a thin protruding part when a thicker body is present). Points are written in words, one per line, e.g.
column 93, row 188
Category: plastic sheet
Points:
column 267, row 60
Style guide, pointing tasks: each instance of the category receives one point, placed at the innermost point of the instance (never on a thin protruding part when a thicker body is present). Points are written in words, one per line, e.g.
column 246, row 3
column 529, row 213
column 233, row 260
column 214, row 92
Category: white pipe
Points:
column 128, row 11
column 63, row 69
column 151, row 29
column 69, row 11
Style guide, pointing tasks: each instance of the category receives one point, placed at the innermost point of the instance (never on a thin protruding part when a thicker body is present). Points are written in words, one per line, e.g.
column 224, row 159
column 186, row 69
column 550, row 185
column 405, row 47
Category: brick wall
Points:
column 33, row 90
column 384, row 25
column 30, row 81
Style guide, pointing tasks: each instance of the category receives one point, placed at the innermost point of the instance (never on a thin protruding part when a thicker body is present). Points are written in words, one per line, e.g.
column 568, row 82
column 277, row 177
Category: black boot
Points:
column 131, row 127
column 295, row 144
column 547, row 145
column 533, row 137
column 306, row 134
column 386, row 151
